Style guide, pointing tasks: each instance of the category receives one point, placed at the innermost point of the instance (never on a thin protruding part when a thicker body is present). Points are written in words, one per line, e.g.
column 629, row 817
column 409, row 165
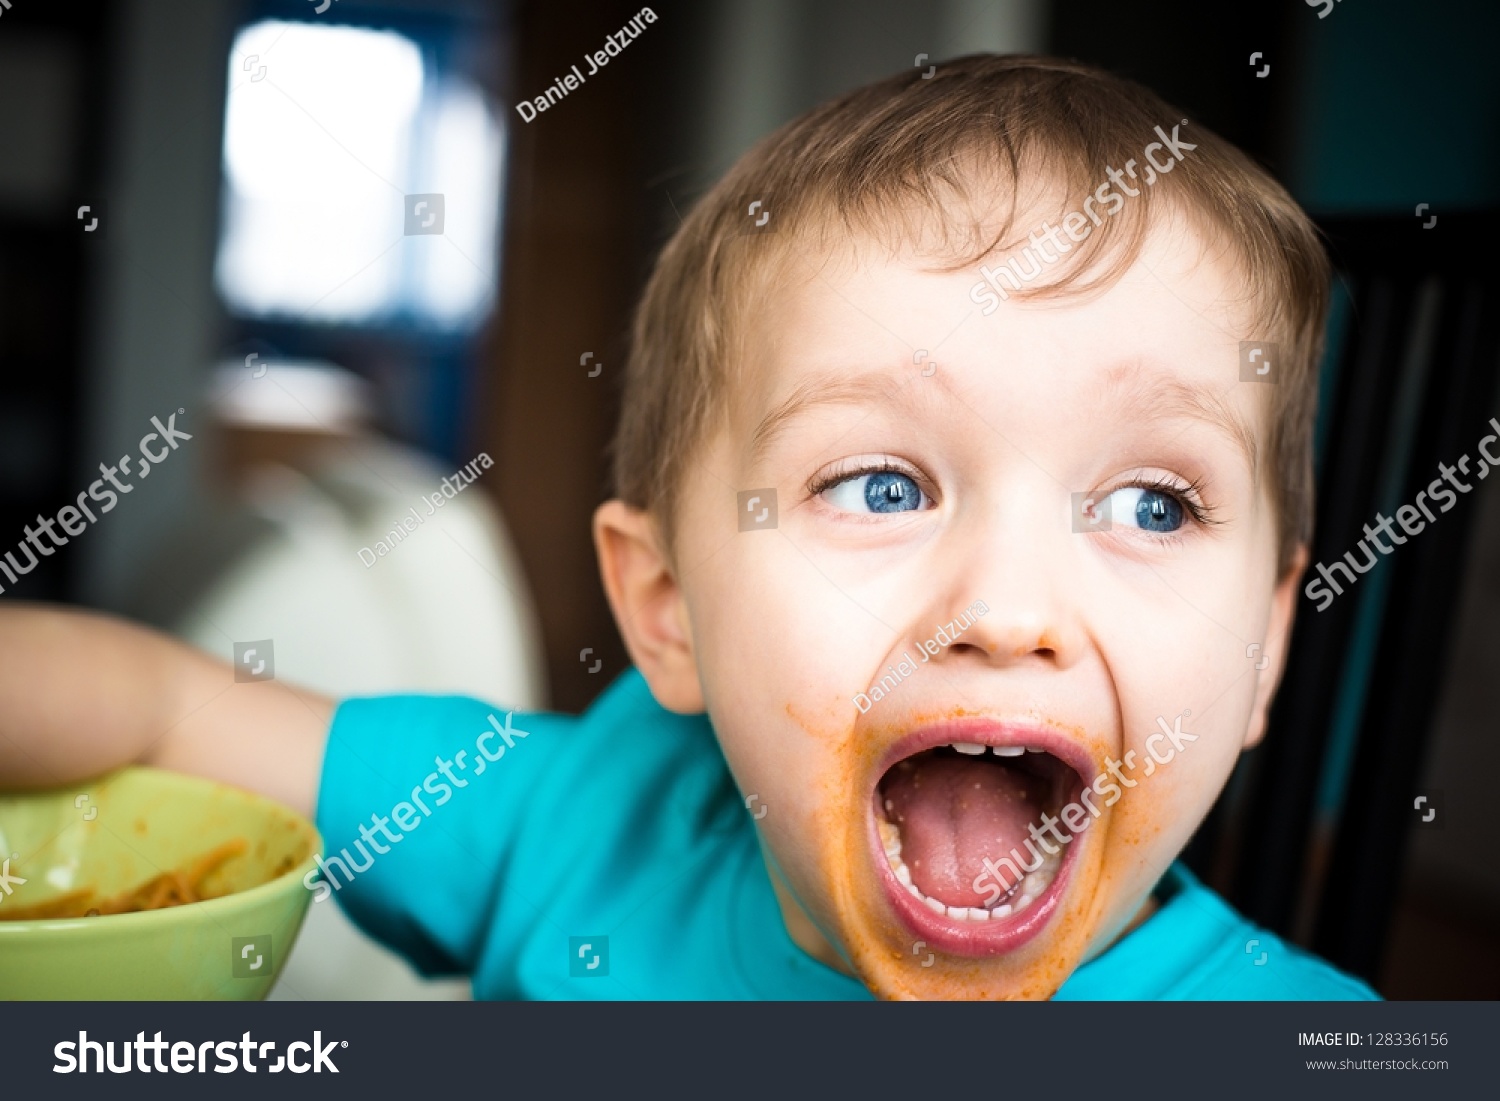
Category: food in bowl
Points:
column 198, row 888
column 173, row 888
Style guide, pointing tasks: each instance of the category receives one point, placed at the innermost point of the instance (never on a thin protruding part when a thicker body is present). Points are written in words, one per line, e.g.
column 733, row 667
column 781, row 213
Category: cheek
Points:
column 1156, row 818
column 770, row 633
column 780, row 654
column 798, row 762
column 764, row 656
column 1181, row 663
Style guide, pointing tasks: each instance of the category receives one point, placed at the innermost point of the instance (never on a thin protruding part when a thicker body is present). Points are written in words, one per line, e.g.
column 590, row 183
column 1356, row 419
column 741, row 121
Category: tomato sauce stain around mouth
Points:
column 848, row 896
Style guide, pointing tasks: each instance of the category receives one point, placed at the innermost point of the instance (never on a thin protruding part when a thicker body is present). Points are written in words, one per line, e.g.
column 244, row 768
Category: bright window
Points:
column 327, row 130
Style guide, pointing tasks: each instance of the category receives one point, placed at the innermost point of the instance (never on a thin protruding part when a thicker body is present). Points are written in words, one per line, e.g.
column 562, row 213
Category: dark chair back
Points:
column 1310, row 838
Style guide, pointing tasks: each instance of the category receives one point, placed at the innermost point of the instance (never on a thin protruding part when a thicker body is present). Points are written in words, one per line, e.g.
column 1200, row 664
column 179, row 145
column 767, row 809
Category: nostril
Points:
column 961, row 647
column 1034, row 651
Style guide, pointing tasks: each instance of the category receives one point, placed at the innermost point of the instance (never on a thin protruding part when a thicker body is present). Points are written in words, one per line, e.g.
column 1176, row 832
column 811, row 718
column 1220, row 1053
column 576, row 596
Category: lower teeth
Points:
column 1016, row 901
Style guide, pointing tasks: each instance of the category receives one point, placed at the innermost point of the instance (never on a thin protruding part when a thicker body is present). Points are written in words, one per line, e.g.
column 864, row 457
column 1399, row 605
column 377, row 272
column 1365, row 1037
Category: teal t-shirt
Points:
column 609, row 856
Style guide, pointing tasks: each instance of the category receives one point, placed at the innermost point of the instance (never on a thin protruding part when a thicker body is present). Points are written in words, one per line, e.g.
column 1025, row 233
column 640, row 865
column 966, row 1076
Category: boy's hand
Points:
column 82, row 693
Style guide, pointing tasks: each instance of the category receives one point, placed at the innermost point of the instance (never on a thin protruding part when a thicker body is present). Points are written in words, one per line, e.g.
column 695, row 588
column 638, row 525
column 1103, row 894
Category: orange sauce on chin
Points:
column 847, row 902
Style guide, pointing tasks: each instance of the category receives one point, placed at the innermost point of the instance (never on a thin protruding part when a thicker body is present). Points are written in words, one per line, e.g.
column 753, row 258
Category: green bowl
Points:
column 114, row 833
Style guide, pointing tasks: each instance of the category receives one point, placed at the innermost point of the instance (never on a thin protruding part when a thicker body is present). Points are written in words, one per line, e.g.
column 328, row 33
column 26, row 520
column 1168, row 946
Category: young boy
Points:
column 964, row 482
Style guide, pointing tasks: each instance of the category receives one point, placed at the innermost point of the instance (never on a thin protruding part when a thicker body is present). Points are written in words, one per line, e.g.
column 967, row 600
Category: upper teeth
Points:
column 973, row 749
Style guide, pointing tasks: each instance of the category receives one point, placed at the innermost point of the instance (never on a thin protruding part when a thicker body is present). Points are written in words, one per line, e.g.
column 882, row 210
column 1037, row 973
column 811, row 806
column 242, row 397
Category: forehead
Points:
column 1166, row 332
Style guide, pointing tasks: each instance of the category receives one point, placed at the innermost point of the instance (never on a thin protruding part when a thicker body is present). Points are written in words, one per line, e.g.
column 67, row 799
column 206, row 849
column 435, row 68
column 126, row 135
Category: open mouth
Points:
column 968, row 833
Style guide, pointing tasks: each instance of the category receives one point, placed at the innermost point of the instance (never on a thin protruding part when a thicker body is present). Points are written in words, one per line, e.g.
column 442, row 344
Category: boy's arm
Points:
column 82, row 693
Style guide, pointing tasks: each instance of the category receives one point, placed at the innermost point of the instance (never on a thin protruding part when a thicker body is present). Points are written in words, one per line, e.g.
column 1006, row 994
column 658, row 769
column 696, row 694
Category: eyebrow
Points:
column 813, row 394
column 1155, row 398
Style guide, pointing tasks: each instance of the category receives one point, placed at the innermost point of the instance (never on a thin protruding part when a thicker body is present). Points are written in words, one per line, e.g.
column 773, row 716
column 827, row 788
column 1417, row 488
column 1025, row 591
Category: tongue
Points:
column 953, row 813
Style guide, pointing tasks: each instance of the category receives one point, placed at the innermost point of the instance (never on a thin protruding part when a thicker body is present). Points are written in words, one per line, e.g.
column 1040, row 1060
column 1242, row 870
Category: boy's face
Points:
column 932, row 579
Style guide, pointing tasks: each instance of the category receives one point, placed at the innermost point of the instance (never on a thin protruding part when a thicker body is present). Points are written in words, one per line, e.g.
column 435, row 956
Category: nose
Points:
column 1015, row 567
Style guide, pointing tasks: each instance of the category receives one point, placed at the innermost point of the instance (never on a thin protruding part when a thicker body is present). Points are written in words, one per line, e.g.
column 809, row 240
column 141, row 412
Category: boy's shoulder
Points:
column 1196, row 947
column 618, row 832
column 621, row 736
column 534, row 776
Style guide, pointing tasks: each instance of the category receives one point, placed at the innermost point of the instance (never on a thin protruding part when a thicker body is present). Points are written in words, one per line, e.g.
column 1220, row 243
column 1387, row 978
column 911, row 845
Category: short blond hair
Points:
column 903, row 155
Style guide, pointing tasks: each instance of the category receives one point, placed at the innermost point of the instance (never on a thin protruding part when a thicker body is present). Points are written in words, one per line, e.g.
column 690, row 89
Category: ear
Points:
column 1273, row 651
column 647, row 604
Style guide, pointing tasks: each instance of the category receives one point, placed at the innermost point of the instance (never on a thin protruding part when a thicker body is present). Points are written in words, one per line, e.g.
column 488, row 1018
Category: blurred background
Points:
column 319, row 233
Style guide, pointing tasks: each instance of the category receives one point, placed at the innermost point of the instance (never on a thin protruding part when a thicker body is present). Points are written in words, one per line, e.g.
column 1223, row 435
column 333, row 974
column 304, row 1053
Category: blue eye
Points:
column 1148, row 509
column 879, row 491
